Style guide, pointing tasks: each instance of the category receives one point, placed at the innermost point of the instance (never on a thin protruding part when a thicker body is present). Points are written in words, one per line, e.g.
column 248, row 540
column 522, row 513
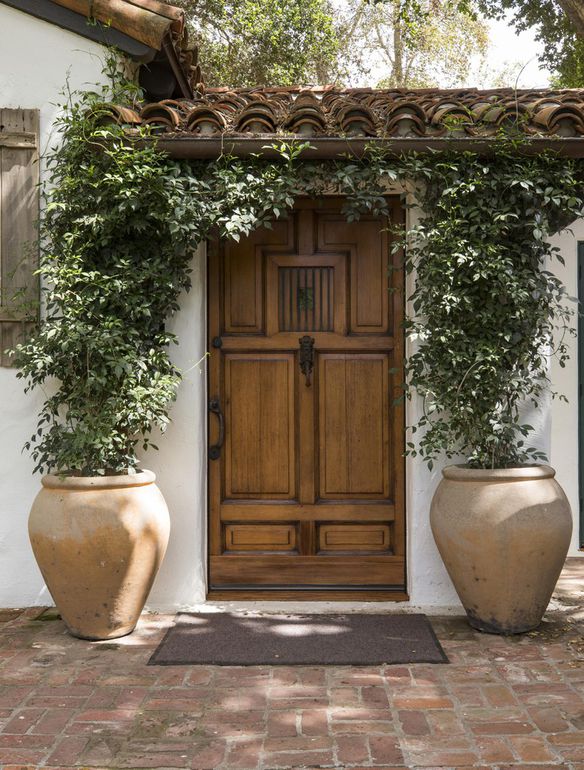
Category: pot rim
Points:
column 140, row 479
column 519, row 473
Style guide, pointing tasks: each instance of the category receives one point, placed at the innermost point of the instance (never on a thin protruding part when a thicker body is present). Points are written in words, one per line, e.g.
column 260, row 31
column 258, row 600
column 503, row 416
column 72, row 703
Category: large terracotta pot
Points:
column 99, row 542
column 503, row 536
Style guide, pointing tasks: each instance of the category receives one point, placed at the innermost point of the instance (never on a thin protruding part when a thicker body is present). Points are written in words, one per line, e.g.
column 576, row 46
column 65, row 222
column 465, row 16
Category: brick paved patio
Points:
column 501, row 703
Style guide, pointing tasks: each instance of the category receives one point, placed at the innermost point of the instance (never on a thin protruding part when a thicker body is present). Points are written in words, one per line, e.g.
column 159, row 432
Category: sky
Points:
column 510, row 55
column 507, row 47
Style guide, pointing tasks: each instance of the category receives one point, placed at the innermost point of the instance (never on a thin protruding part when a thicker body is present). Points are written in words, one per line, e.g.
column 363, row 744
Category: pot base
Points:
column 493, row 627
column 117, row 634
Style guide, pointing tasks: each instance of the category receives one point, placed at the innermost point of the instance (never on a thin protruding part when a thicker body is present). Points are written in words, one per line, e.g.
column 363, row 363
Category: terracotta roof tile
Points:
column 331, row 112
column 205, row 121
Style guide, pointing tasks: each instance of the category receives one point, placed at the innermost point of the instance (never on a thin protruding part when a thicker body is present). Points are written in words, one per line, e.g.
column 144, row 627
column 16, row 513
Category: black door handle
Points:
column 215, row 450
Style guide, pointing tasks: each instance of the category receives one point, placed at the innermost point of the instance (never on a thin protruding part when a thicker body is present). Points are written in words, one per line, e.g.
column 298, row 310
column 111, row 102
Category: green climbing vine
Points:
column 122, row 219
column 487, row 308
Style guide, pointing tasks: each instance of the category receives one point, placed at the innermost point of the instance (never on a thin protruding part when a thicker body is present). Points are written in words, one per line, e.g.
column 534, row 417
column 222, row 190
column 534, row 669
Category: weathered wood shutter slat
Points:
column 19, row 212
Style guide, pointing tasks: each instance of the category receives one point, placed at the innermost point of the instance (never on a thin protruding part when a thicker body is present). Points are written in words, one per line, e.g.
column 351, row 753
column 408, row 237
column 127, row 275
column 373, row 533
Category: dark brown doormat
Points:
column 226, row 639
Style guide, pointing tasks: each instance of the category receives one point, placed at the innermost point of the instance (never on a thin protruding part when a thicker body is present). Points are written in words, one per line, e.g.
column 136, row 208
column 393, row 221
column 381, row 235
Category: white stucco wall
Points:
column 564, row 416
column 181, row 462
column 32, row 76
column 427, row 579
column 35, row 58
column 34, row 80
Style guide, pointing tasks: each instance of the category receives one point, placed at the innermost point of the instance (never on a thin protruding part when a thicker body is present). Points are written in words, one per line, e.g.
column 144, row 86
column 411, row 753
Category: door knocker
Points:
column 306, row 357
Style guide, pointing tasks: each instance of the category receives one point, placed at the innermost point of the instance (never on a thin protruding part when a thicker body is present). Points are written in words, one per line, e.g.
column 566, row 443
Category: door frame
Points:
column 213, row 251
column 580, row 352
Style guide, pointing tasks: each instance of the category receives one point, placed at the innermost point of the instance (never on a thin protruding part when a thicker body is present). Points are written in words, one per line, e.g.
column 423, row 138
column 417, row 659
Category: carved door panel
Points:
column 307, row 488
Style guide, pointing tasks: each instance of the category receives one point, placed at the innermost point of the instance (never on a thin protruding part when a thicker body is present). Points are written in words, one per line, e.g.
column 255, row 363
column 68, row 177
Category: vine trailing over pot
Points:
column 122, row 220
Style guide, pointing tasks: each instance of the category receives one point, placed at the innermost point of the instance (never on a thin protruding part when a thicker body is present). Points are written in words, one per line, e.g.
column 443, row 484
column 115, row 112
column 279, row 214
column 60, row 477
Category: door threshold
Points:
column 347, row 595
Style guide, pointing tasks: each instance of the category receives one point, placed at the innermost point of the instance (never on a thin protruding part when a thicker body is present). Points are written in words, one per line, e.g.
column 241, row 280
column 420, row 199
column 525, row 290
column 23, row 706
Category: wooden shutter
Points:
column 19, row 212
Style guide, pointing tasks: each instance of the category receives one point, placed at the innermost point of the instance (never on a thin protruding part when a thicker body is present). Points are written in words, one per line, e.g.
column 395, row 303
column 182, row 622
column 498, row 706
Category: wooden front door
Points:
column 306, row 471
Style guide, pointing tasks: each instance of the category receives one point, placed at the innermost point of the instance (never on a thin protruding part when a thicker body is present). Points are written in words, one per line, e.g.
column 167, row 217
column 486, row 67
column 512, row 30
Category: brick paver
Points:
column 504, row 703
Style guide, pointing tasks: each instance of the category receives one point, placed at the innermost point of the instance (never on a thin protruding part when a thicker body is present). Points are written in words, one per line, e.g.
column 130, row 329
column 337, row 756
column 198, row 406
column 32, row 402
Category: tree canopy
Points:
column 557, row 24
column 382, row 46
column 418, row 42
column 264, row 42
column 285, row 42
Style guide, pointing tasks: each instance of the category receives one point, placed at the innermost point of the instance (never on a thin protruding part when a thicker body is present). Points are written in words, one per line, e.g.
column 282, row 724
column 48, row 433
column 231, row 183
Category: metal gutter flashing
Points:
column 208, row 148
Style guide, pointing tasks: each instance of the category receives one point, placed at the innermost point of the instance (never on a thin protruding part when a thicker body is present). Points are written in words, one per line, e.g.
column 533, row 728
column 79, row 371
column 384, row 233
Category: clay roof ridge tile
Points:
column 257, row 115
column 204, row 120
column 161, row 115
column 560, row 116
column 335, row 112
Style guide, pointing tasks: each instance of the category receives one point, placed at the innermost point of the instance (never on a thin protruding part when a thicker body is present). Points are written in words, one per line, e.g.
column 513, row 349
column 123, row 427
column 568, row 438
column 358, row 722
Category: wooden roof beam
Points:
column 148, row 21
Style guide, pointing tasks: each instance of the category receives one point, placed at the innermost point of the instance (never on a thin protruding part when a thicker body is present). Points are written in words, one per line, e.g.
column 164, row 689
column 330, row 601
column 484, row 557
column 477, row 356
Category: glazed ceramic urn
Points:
column 99, row 541
column 503, row 535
